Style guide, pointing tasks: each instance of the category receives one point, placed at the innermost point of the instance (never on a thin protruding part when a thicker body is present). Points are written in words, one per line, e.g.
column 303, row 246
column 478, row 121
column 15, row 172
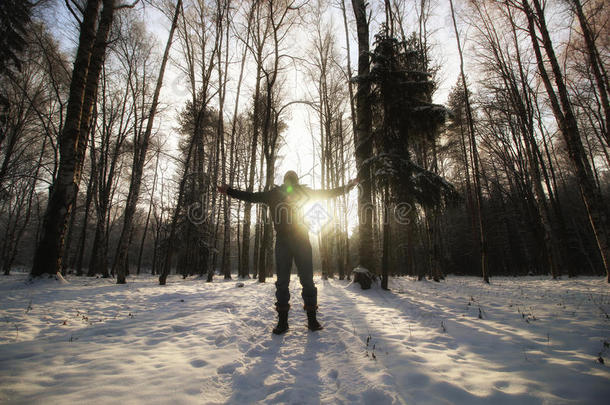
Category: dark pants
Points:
column 287, row 249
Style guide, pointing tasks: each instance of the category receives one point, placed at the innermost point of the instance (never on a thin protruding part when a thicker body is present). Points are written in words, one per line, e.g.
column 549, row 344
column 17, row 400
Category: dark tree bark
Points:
column 363, row 141
column 385, row 265
column 568, row 125
column 147, row 222
column 596, row 62
column 225, row 263
column 169, row 253
column 83, row 234
column 83, row 89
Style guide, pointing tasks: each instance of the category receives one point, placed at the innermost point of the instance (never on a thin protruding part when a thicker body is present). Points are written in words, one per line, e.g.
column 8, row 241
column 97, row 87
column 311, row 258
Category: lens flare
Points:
column 316, row 217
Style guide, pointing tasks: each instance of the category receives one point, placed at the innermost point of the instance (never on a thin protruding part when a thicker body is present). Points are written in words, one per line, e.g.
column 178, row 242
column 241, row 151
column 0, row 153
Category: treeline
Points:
column 524, row 140
column 509, row 177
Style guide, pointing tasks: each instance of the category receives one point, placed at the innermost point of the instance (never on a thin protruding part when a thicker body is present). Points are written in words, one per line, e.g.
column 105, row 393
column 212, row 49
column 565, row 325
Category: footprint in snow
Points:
column 228, row 368
column 198, row 363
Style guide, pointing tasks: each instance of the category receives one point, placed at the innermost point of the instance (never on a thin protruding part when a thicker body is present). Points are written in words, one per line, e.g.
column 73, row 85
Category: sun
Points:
column 316, row 217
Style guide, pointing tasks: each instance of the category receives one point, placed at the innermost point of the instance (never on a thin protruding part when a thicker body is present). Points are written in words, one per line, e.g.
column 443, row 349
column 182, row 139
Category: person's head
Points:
column 291, row 178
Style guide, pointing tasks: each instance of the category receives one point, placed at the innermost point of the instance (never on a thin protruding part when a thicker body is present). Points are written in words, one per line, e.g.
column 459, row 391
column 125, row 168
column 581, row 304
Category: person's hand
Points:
column 222, row 189
column 353, row 182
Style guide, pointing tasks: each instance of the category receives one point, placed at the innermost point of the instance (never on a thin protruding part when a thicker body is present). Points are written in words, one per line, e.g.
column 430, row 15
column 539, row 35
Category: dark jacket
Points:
column 286, row 204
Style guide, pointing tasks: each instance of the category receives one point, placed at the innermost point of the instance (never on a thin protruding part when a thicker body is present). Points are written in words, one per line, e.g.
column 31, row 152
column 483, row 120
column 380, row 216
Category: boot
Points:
column 282, row 322
column 312, row 322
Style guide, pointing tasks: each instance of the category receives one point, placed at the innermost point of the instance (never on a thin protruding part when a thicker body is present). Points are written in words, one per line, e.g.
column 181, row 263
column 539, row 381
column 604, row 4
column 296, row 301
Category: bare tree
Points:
column 363, row 139
column 141, row 149
column 566, row 120
column 87, row 66
column 474, row 153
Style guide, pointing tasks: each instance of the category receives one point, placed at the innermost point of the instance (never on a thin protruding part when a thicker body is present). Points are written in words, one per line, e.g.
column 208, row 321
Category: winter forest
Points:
column 477, row 133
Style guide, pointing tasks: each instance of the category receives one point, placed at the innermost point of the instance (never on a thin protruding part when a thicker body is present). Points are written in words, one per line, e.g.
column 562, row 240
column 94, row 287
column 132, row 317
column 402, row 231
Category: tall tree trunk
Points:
column 385, row 264
column 150, row 206
column 65, row 263
column 475, row 155
column 257, row 243
column 597, row 64
column 363, row 140
column 83, row 89
column 568, row 125
column 83, row 235
column 265, row 261
column 139, row 159
column 225, row 264
column 167, row 261
column 352, row 106
column 245, row 250
column 233, row 146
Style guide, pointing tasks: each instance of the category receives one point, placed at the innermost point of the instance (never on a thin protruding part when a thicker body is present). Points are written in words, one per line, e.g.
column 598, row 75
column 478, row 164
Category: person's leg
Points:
column 283, row 264
column 303, row 260
column 302, row 257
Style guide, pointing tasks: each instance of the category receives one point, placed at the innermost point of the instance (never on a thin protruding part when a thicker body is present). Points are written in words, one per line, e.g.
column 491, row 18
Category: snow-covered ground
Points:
column 518, row 340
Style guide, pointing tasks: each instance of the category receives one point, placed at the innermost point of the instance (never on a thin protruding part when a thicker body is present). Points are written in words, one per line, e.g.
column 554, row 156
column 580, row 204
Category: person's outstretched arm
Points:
column 333, row 192
column 256, row 197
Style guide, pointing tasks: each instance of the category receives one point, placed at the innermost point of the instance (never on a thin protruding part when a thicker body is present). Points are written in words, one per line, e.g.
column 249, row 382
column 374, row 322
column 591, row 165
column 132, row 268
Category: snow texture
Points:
column 517, row 341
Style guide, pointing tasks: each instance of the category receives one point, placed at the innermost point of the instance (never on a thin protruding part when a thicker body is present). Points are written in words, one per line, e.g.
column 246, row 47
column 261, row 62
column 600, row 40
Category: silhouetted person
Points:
column 292, row 240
